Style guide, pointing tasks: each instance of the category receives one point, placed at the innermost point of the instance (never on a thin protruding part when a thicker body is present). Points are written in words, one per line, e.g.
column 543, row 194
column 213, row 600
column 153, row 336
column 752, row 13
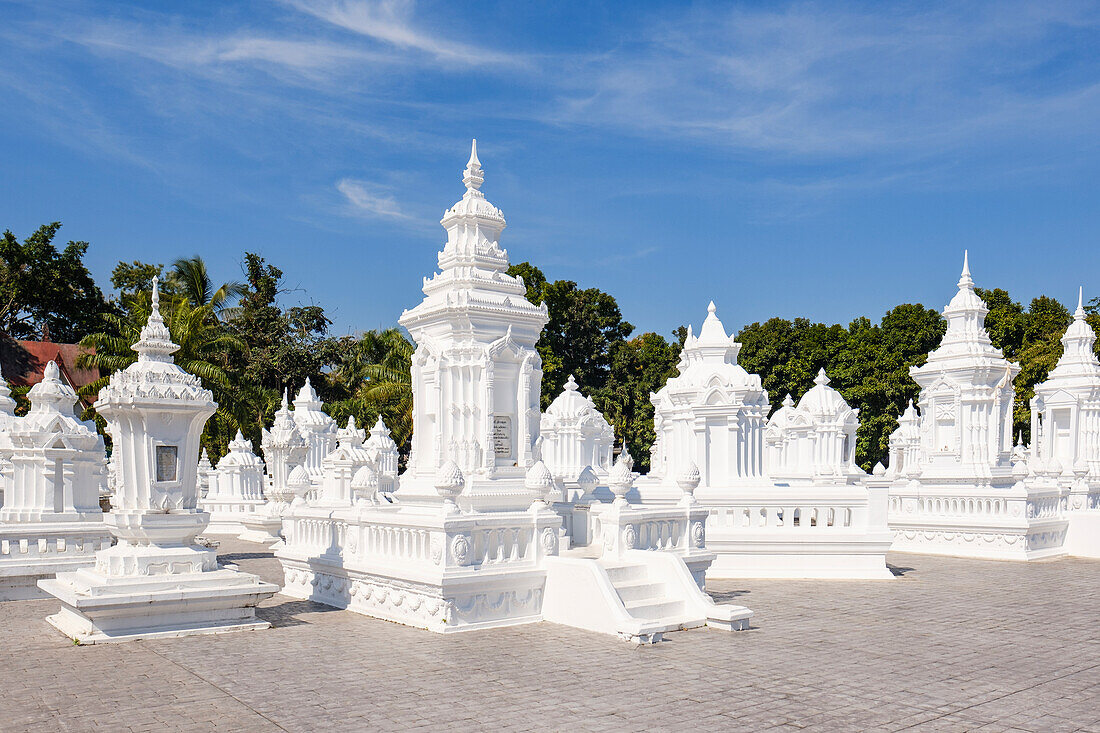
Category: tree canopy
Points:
column 44, row 288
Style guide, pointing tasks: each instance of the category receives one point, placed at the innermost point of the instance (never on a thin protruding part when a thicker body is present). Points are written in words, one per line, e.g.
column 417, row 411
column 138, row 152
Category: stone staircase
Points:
column 638, row 597
column 648, row 600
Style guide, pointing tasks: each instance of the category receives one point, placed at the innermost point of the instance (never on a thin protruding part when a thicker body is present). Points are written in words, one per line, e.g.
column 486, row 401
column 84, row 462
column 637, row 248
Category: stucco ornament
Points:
column 621, row 478
column 448, row 484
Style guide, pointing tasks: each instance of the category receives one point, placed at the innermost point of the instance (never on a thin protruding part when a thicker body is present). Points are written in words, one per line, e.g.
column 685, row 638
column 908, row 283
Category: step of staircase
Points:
column 625, row 573
column 638, row 590
column 652, row 609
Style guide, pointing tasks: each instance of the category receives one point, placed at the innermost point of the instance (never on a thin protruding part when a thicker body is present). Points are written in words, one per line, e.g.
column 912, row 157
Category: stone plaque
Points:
column 166, row 462
column 502, row 436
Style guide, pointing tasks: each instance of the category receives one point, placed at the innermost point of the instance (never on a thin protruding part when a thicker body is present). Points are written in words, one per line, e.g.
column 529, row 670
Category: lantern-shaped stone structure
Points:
column 236, row 489
column 51, row 521
column 317, row 428
column 575, row 434
column 156, row 581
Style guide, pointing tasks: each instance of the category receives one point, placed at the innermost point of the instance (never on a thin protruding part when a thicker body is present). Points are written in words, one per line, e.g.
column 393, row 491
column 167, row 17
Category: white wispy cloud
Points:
column 392, row 22
column 814, row 81
column 369, row 200
column 825, row 96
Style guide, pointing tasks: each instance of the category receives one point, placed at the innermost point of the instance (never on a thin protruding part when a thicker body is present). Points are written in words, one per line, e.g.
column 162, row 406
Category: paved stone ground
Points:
column 949, row 645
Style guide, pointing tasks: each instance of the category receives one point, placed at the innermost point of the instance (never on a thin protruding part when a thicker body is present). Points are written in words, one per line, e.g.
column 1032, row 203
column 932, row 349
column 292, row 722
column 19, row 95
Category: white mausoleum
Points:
column 316, row 427
column 468, row 539
column 783, row 496
column 235, row 491
column 51, row 521
column 155, row 582
column 956, row 487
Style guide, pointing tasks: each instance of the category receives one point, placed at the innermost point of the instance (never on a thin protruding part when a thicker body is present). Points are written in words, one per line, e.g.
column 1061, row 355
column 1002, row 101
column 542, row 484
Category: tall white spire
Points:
column 1078, row 357
column 155, row 343
column 964, row 279
column 965, row 314
column 473, row 176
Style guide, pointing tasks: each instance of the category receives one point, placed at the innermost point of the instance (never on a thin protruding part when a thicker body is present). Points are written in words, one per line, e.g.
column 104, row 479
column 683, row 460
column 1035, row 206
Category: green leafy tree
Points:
column 376, row 373
column 42, row 287
column 190, row 276
column 584, row 329
column 639, row 367
column 284, row 347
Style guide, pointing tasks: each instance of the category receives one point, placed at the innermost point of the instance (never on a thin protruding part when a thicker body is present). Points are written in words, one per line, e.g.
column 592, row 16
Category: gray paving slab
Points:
column 950, row 644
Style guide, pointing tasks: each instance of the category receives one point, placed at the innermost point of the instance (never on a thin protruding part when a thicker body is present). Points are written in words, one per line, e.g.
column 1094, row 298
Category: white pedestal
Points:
column 97, row 609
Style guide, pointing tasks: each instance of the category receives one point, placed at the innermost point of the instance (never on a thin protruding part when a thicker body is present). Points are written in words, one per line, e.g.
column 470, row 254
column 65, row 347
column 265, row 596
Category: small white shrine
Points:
column 815, row 440
column 384, row 456
column 784, row 497
column 205, row 471
column 341, row 466
column 1065, row 412
column 284, row 450
column 316, row 427
column 953, row 487
column 468, row 539
column 574, row 435
column 51, row 520
column 156, row 582
column 236, row 490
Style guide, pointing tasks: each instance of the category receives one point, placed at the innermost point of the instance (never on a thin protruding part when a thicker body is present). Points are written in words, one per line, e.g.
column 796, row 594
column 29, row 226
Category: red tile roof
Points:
column 25, row 361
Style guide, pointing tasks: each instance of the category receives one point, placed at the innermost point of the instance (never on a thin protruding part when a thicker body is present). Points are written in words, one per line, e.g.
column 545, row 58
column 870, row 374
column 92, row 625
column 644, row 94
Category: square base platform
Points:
column 96, row 608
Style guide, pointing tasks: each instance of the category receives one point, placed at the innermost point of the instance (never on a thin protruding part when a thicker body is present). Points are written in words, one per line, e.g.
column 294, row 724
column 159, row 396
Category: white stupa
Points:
column 711, row 415
column 51, row 521
column 575, row 435
column 236, row 489
column 156, row 581
column 316, row 427
column 1065, row 412
column 815, row 440
column 475, row 373
column 1068, row 402
column 384, row 456
column 957, row 494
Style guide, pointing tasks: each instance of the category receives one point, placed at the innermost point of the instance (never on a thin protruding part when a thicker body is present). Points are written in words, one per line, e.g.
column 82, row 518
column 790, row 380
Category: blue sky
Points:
column 826, row 160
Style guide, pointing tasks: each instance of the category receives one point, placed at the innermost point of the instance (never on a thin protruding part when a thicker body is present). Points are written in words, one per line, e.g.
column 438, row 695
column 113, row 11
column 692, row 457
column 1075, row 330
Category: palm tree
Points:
column 204, row 349
column 378, row 375
column 193, row 279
